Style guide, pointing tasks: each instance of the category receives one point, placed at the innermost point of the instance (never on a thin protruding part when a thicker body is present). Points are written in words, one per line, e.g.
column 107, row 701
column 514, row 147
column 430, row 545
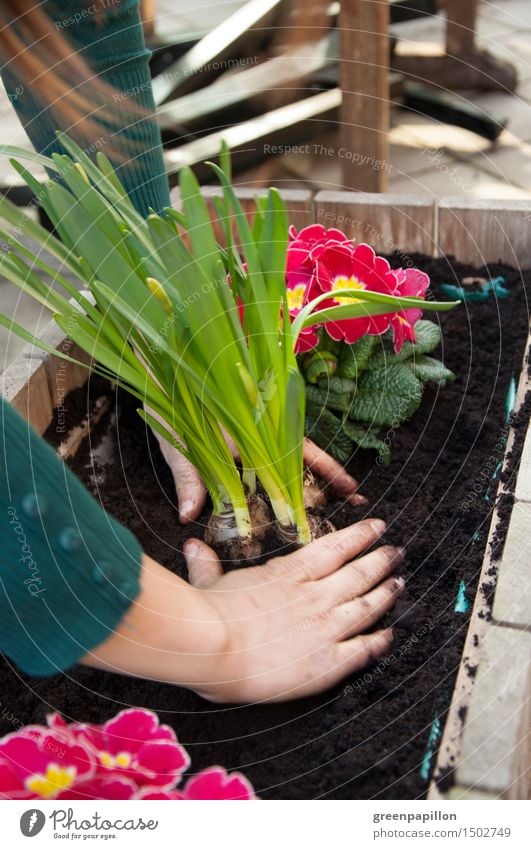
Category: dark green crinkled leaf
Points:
column 367, row 438
column 337, row 384
column 428, row 369
column 428, row 336
column 354, row 358
column 340, row 401
column 386, row 396
column 324, row 428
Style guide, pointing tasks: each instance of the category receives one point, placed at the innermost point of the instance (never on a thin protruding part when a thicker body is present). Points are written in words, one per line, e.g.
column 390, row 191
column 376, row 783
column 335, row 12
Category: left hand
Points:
column 191, row 491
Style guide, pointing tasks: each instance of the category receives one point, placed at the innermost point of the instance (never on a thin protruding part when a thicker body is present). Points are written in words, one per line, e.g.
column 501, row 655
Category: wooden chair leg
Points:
column 364, row 80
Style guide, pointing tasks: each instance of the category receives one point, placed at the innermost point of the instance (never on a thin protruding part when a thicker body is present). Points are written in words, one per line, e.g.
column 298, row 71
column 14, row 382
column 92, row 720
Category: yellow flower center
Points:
column 57, row 778
column 121, row 759
column 343, row 282
column 295, row 297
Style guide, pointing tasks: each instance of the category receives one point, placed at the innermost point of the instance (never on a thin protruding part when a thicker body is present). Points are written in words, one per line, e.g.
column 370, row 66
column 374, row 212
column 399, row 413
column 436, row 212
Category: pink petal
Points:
column 10, row 782
column 150, row 793
column 56, row 721
column 307, row 340
column 416, row 283
column 165, row 761
column 129, row 729
column 215, row 783
column 348, row 330
column 101, row 788
column 297, row 257
column 24, row 755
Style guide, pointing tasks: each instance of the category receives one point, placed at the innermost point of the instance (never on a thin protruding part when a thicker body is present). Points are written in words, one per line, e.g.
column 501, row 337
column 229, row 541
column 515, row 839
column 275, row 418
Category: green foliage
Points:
column 428, row 337
column 161, row 320
column 373, row 388
column 354, row 358
column 324, row 428
column 386, row 395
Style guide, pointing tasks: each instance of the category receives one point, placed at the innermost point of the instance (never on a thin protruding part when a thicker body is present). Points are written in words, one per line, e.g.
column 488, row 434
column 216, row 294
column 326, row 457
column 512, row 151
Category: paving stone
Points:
column 457, row 179
column 494, row 740
column 523, row 483
column 509, row 164
column 512, row 602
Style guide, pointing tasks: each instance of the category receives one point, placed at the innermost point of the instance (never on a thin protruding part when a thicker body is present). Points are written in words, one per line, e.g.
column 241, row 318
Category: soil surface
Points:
column 367, row 738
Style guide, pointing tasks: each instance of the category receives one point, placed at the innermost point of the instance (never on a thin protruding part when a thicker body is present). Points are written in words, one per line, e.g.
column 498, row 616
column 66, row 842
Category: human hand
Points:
column 191, row 491
column 291, row 628
column 297, row 625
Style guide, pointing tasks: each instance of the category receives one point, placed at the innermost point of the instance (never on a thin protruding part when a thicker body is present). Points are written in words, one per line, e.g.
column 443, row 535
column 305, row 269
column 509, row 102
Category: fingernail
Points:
column 186, row 508
column 400, row 583
column 378, row 525
column 402, row 551
column 191, row 549
column 358, row 500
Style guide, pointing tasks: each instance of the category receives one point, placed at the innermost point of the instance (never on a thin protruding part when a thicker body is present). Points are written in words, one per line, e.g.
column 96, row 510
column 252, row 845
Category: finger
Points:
column 357, row 578
column 191, row 492
column 231, row 445
column 323, row 465
column 360, row 651
column 325, row 555
column 357, row 616
column 204, row 567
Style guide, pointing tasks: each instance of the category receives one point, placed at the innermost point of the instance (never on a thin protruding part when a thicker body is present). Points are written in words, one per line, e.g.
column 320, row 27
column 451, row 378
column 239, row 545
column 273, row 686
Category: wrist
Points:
column 170, row 633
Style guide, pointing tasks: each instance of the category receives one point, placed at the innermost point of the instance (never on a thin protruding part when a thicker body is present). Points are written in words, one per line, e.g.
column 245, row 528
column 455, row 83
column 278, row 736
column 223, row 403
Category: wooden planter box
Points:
column 490, row 750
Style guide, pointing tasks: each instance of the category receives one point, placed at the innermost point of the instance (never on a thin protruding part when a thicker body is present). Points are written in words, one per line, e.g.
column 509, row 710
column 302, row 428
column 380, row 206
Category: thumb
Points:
column 204, row 567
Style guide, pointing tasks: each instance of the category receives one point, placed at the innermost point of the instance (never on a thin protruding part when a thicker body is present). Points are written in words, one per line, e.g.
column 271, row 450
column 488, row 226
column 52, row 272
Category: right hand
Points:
column 291, row 628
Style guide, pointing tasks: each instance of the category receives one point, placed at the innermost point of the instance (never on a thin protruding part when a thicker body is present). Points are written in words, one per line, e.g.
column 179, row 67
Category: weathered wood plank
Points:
column 482, row 231
column 386, row 222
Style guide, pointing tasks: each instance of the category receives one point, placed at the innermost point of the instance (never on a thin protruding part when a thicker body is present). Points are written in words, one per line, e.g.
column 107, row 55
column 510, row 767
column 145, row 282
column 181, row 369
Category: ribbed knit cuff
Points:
column 112, row 43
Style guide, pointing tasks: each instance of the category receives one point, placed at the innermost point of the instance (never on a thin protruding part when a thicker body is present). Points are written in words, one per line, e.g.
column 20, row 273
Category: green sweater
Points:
column 68, row 571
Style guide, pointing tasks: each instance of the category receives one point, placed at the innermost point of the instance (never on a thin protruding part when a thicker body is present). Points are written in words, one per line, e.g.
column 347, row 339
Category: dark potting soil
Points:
column 368, row 737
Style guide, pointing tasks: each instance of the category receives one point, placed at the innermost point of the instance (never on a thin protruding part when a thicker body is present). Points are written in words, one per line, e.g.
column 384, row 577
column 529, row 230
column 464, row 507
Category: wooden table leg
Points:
column 364, row 80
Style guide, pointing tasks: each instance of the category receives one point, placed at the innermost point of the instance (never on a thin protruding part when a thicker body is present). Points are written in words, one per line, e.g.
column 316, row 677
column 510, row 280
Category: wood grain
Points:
column 481, row 231
column 386, row 222
column 364, row 81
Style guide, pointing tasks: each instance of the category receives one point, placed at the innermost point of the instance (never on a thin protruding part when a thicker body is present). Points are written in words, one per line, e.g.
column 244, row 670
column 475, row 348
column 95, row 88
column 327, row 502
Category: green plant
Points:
column 160, row 320
column 353, row 391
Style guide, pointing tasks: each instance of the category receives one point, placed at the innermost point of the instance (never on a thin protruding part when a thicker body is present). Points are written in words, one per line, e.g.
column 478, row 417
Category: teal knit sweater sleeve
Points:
column 113, row 46
column 68, row 570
